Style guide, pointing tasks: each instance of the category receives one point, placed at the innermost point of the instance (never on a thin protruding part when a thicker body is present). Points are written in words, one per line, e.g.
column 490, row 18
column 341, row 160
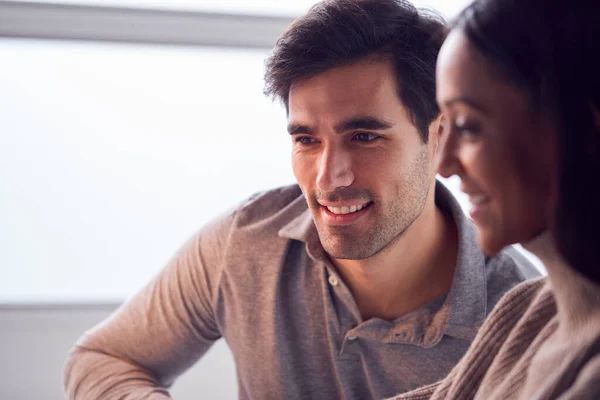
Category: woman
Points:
column 519, row 87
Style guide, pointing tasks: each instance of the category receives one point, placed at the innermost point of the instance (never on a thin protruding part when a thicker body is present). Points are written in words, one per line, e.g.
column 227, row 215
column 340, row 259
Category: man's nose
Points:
column 335, row 169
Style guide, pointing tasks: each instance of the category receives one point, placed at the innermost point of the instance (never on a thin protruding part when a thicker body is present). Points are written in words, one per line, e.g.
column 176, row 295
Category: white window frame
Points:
column 138, row 25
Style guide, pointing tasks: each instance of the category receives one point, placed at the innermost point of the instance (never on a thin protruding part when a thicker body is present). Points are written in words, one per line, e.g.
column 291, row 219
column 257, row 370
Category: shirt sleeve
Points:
column 159, row 333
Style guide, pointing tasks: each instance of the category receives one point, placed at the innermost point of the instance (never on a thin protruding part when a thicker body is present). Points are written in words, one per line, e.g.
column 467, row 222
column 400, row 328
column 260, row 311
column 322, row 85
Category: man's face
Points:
column 358, row 158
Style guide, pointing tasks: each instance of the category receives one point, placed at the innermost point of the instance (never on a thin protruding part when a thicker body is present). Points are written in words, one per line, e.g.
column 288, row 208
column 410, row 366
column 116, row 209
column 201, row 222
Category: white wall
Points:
column 112, row 155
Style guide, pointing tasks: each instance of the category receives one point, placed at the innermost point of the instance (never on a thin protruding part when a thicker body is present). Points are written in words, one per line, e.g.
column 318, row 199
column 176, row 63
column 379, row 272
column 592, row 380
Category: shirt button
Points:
column 333, row 280
column 352, row 337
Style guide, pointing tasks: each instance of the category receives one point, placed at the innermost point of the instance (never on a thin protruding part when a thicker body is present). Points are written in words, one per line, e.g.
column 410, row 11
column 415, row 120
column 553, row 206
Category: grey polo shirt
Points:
column 260, row 278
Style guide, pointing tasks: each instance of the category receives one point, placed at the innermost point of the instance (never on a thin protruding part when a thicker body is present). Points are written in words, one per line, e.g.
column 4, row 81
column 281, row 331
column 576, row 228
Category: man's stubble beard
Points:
column 342, row 242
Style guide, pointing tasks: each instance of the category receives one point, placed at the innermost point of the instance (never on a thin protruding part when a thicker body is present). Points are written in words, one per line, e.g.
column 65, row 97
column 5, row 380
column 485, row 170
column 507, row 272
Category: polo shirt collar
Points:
column 464, row 309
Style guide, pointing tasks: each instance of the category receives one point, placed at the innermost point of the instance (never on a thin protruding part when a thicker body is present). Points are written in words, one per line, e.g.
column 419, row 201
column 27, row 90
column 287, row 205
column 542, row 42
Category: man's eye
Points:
column 366, row 137
column 304, row 140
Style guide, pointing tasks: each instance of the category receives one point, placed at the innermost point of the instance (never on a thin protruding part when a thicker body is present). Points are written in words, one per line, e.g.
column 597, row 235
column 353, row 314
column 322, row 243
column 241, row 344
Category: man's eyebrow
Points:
column 363, row 122
column 294, row 129
column 466, row 101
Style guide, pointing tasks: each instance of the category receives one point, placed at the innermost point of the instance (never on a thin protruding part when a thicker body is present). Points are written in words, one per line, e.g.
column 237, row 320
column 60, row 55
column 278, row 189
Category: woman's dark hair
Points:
column 339, row 32
column 550, row 49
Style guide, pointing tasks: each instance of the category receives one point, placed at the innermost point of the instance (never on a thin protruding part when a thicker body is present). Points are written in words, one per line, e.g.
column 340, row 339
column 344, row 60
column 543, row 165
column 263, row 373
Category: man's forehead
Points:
column 359, row 80
column 333, row 102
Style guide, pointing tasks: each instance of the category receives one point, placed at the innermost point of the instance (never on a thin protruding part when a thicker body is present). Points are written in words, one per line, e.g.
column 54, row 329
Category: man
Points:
column 362, row 281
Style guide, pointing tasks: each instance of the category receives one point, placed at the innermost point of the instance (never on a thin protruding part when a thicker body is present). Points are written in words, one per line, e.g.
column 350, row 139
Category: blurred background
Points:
column 126, row 125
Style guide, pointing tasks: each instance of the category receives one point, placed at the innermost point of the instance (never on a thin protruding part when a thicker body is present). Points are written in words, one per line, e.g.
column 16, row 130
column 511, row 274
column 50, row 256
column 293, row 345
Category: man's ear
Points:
column 436, row 128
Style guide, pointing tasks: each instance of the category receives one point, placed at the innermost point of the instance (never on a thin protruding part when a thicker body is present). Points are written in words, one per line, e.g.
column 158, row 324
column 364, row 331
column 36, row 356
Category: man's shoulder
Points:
column 251, row 228
column 273, row 208
column 256, row 218
column 506, row 270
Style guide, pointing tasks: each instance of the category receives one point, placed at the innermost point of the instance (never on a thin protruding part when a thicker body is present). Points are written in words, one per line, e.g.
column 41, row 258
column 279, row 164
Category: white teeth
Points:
column 345, row 209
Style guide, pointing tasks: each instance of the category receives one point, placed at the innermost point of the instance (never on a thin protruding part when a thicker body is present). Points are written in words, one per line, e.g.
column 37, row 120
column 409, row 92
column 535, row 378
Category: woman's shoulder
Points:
column 524, row 298
column 528, row 289
column 586, row 383
column 529, row 304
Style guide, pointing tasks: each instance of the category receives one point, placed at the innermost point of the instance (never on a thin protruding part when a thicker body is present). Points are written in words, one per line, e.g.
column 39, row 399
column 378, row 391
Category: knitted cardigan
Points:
column 509, row 348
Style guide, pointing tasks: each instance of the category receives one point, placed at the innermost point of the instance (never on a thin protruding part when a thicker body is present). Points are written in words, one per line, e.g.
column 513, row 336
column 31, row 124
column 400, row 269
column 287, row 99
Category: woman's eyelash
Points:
column 466, row 128
column 462, row 125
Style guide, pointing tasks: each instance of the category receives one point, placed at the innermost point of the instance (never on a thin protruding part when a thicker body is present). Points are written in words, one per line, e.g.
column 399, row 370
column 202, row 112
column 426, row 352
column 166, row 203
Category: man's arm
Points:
column 162, row 331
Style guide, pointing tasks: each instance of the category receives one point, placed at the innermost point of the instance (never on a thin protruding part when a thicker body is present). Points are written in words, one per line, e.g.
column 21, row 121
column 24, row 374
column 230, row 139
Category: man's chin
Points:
column 347, row 252
column 343, row 243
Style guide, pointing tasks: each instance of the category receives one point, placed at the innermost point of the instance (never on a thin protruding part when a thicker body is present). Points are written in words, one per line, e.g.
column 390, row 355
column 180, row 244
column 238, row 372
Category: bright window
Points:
column 112, row 155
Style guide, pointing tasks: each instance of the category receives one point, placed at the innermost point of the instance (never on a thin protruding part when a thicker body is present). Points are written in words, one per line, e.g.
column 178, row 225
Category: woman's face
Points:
column 503, row 151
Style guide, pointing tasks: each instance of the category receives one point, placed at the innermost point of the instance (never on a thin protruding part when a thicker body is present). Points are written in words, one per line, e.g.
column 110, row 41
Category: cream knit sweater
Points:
column 520, row 354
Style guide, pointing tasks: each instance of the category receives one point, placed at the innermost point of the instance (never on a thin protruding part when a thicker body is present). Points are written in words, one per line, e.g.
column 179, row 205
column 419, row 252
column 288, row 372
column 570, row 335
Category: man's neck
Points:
column 415, row 269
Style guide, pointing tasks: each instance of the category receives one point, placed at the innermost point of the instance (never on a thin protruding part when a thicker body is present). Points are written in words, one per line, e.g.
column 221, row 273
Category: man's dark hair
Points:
column 549, row 49
column 340, row 32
